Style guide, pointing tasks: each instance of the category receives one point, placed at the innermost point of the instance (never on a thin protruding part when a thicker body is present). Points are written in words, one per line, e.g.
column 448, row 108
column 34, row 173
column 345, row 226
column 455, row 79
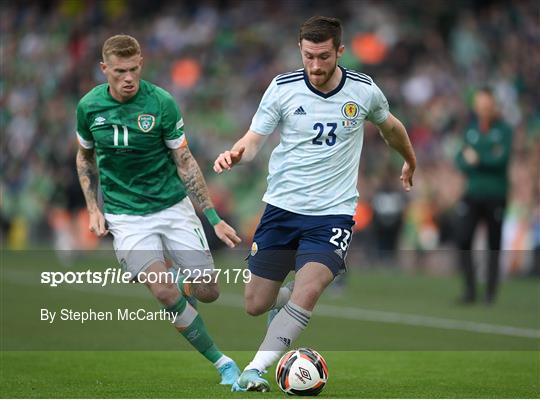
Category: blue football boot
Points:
column 251, row 381
column 229, row 373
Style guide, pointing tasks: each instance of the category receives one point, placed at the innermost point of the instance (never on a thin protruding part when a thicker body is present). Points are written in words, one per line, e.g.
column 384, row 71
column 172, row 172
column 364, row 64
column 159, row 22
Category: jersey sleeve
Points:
column 86, row 140
column 172, row 124
column 268, row 115
column 378, row 109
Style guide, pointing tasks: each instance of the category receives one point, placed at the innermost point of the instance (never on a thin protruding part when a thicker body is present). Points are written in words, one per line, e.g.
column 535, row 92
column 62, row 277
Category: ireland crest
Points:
column 146, row 122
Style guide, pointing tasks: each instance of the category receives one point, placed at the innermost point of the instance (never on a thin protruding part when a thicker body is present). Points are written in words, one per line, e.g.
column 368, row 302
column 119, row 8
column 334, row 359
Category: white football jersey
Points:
column 314, row 169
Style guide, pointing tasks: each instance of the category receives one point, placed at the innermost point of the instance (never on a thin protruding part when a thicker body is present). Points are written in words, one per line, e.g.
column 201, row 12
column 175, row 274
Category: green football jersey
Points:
column 132, row 141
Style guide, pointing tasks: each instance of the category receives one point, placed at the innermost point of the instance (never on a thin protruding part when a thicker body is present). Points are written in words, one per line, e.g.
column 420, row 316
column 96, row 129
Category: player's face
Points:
column 320, row 60
column 123, row 75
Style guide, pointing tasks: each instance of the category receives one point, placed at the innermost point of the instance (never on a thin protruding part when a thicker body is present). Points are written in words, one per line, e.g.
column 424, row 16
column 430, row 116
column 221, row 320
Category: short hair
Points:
column 319, row 29
column 120, row 46
column 486, row 89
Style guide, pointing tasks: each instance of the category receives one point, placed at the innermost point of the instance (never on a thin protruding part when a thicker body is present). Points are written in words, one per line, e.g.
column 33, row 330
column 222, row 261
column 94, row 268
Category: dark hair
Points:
column 120, row 46
column 485, row 89
column 319, row 29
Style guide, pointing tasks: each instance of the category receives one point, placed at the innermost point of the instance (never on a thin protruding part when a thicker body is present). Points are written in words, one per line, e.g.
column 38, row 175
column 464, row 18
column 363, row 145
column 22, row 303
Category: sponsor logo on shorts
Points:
column 254, row 249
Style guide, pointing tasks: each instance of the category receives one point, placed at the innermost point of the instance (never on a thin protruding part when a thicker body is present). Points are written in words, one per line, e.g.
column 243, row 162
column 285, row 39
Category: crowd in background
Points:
column 217, row 58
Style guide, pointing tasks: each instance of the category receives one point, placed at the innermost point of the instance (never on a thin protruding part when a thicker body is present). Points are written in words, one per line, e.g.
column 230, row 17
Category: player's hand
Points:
column 470, row 156
column 97, row 223
column 227, row 234
column 227, row 159
column 406, row 176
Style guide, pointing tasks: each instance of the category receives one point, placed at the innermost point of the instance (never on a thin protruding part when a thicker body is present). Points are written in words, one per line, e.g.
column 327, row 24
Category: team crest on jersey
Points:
column 146, row 122
column 350, row 110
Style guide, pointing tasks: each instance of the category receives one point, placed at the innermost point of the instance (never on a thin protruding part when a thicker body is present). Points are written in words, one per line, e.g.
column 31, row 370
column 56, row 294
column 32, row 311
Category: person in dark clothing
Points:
column 483, row 159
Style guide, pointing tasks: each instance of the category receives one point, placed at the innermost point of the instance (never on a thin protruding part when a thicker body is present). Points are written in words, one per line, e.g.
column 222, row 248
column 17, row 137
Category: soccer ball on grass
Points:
column 302, row 372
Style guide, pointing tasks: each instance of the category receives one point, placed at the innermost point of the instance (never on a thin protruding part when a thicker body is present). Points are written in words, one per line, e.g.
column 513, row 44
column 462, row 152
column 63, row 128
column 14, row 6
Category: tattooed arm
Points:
column 191, row 175
column 88, row 178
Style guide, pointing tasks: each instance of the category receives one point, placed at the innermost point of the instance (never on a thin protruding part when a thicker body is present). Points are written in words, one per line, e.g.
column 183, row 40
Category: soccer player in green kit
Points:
column 132, row 141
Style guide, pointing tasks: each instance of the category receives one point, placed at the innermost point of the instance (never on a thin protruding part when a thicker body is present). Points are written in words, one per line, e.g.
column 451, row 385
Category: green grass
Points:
column 367, row 357
column 352, row 374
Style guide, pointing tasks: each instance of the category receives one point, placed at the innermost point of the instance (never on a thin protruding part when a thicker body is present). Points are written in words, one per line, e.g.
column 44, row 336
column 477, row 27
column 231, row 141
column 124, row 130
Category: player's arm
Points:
column 395, row 135
column 89, row 180
column 264, row 122
column 191, row 175
column 244, row 150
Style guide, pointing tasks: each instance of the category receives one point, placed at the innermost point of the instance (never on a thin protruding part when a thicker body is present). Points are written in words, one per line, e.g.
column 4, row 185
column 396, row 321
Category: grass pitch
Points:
column 356, row 374
column 388, row 335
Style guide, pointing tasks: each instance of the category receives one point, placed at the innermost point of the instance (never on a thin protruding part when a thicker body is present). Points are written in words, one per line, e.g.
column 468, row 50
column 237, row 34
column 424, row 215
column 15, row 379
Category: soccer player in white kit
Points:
column 311, row 195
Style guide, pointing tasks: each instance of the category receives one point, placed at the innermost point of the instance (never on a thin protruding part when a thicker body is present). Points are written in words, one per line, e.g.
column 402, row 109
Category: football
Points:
column 302, row 372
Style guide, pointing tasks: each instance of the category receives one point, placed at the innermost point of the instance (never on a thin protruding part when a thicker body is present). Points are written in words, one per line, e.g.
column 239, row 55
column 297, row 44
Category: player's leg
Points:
column 283, row 296
column 310, row 282
column 198, row 284
column 286, row 326
column 272, row 257
column 189, row 323
column 260, row 294
column 293, row 318
column 318, row 260
column 180, row 279
column 140, row 251
column 184, row 238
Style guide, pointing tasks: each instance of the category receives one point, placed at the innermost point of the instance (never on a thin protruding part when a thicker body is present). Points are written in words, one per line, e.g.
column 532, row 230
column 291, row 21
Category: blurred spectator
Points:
column 426, row 59
column 389, row 204
column 484, row 160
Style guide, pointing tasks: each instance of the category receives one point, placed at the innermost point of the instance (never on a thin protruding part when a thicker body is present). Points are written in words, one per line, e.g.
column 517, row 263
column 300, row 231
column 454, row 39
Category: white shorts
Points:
column 141, row 240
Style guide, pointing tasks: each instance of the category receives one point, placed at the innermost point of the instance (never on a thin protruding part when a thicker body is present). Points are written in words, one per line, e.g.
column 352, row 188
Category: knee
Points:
column 311, row 292
column 255, row 307
column 207, row 293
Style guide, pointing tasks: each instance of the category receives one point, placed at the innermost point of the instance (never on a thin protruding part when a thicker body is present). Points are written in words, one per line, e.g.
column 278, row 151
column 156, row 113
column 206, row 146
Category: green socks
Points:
column 190, row 324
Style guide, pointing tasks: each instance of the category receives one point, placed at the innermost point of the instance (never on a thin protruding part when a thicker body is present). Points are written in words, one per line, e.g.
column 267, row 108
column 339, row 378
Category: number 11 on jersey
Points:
column 125, row 129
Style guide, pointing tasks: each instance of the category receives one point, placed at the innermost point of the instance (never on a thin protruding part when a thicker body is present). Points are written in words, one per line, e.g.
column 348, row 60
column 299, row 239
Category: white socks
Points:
column 282, row 332
column 222, row 361
column 186, row 318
